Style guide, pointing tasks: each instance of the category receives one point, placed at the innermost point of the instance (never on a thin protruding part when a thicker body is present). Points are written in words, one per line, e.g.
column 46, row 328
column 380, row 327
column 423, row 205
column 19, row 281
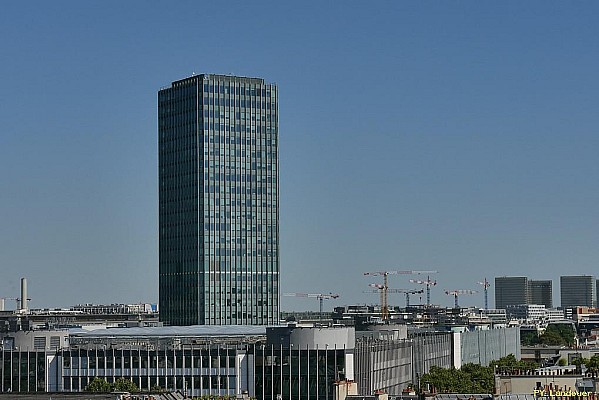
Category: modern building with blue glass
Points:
column 218, row 201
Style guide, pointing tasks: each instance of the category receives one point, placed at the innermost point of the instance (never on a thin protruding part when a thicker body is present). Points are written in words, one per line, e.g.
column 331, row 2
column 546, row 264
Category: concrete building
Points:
column 110, row 309
column 481, row 346
column 511, row 290
column 292, row 361
column 92, row 316
column 527, row 313
column 218, row 201
column 303, row 362
column 496, row 315
column 554, row 314
column 578, row 290
column 431, row 348
column 288, row 361
column 383, row 357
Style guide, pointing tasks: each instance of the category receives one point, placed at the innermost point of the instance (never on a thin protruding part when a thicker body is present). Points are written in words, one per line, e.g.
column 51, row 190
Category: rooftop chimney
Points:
column 24, row 294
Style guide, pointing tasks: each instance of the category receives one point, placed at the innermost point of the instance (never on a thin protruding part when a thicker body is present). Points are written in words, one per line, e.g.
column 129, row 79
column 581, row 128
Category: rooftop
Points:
column 170, row 331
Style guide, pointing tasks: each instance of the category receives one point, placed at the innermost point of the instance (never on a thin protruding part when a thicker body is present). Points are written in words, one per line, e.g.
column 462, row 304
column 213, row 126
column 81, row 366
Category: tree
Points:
column 552, row 338
column 510, row 362
column 124, row 385
column 471, row 378
column 507, row 361
column 99, row 385
column 481, row 378
column 592, row 364
column 578, row 362
column 562, row 362
column 529, row 339
column 558, row 335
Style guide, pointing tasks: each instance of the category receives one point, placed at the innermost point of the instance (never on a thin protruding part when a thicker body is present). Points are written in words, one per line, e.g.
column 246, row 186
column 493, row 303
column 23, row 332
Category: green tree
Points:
column 507, row 361
column 562, row 362
column 471, row 378
column 552, row 338
column 529, row 339
column 482, row 379
column 579, row 362
column 558, row 335
column 592, row 364
column 98, row 385
column 125, row 385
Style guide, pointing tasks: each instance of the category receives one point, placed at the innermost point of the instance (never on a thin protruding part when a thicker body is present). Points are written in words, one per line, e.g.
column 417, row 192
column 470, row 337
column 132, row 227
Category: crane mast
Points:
column 428, row 282
column 320, row 296
column 486, row 285
column 456, row 293
column 407, row 292
column 385, row 286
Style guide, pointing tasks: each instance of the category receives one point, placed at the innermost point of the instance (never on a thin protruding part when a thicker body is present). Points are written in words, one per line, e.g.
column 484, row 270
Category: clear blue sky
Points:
column 457, row 136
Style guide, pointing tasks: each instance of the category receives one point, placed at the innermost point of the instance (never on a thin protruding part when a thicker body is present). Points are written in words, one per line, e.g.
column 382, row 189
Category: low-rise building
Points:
column 528, row 313
column 64, row 350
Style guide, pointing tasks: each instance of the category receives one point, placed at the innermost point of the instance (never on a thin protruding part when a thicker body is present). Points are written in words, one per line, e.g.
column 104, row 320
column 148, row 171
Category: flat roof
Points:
column 191, row 331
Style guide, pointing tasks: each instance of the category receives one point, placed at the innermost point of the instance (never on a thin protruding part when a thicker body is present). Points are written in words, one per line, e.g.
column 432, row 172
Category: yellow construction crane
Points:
column 385, row 287
column 320, row 296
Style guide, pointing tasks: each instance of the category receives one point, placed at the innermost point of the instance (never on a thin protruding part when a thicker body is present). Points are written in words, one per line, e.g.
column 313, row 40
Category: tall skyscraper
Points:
column 218, row 201
column 511, row 290
column 578, row 290
column 540, row 292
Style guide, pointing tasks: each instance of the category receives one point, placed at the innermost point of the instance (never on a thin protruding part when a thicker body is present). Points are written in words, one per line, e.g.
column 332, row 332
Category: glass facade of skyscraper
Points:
column 218, row 201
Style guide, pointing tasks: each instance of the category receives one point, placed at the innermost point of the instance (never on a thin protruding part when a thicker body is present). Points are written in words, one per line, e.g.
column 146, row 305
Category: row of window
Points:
column 231, row 88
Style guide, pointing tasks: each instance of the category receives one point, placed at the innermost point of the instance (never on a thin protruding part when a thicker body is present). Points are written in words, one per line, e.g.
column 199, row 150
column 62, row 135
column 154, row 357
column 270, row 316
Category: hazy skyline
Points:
column 460, row 137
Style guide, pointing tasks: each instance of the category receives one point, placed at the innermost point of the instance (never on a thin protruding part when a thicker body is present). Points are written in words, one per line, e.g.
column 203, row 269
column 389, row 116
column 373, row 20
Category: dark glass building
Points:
column 218, row 201
column 541, row 292
column 511, row 290
column 578, row 290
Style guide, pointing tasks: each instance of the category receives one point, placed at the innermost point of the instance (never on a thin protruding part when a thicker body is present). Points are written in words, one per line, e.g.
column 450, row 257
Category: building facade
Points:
column 577, row 290
column 540, row 292
column 383, row 364
column 268, row 363
column 218, row 201
column 431, row 348
column 483, row 346
column 511, row 290
column 303, row 362
column 528, row 313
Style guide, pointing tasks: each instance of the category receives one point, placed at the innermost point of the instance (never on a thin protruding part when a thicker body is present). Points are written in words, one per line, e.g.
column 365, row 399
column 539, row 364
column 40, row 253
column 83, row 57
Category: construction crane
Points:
column 486, row 285
column 456, row 293
column 407, row 292
column 428, row 284
column 385, row 287
column 320, row 296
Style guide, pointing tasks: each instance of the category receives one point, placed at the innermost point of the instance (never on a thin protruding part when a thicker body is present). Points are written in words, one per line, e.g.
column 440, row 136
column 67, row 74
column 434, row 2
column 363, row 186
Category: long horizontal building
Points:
column 292, row 361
